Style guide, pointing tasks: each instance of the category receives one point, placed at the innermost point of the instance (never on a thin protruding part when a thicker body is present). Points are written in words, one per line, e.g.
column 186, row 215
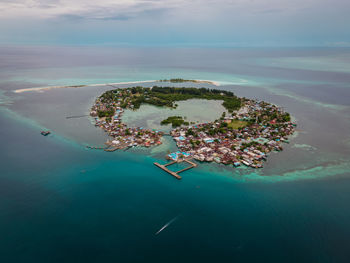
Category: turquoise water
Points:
column 62, row 202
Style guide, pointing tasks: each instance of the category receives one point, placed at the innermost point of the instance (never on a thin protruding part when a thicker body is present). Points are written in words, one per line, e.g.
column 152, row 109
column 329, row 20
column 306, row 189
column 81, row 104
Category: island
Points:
column 175, row 121
column 244, row 134
column 180, row 80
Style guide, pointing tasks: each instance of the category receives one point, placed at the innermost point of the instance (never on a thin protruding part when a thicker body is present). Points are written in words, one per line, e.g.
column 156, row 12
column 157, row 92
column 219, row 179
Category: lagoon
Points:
column 198, row 111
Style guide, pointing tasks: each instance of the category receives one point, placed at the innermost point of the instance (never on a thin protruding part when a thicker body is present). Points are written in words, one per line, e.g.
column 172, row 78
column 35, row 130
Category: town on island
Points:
column 244, row 134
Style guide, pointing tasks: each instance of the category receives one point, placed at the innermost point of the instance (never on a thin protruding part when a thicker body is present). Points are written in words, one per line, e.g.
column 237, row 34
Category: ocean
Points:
column 61, row 202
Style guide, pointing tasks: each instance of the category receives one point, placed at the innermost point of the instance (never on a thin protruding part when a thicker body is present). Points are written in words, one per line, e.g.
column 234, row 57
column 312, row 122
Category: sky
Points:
column 176, row 22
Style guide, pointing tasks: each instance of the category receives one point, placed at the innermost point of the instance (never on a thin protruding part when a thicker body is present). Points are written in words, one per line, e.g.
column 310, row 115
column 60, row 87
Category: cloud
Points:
column 189, row 9
column 126, row 9
column 241, row 21
column 88, row 9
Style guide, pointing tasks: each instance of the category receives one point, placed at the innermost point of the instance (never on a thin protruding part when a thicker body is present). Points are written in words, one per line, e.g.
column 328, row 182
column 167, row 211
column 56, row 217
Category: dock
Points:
column 176, row 174
column 95, row 147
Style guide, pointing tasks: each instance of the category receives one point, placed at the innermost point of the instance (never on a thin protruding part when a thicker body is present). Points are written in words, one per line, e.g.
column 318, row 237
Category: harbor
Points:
column 164, row 167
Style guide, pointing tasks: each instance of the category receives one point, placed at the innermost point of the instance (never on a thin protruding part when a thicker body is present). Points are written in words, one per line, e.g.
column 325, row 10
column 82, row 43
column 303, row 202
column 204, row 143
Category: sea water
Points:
column 60, row 201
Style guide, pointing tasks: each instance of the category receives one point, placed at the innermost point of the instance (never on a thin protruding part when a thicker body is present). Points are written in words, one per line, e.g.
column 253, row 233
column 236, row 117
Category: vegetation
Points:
column 191, row 132
column 286, row 117
column 167, row 96
column 231, row 104
column 178, row 80
column 236, row 124
column 106, row 113
column 175, row 121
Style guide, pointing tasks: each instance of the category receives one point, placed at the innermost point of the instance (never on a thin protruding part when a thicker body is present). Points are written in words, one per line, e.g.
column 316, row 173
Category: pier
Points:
column 176, row 174
column 111, row 149
column 95, row 147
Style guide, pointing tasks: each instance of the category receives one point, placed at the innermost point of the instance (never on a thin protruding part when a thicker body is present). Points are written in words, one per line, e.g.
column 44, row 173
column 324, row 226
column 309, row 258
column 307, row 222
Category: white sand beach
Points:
column 45, row 88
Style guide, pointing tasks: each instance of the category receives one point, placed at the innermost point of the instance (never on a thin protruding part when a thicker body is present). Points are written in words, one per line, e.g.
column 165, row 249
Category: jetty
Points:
column 95, row 147
column 111, row 149
column 176, row 174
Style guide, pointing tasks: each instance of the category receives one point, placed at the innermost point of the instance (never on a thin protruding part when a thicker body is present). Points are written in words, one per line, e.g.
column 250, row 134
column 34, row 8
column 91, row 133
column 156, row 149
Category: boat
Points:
column 45, row 133
column 246, row 163
column 236, row 164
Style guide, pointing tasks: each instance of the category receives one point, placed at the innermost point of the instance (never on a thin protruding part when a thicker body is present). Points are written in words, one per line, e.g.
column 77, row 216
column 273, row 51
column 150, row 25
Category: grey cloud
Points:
column 79, row 17
column 129, row 9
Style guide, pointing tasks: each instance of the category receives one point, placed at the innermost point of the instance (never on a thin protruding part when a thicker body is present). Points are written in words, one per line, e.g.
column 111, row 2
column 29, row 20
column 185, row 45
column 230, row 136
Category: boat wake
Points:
column 166, row 225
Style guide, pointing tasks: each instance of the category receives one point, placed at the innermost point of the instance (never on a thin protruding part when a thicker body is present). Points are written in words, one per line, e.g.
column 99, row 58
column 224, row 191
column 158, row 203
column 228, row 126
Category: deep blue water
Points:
column 60, row 202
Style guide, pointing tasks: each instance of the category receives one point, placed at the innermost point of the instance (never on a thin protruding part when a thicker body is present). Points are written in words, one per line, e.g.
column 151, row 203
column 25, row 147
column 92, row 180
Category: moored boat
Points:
column 45, row 133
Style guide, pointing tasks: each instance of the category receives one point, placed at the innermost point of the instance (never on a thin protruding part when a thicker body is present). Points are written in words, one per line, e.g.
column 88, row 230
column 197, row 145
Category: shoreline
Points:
column 252, row 130
column 205, row 81
column 45, row 88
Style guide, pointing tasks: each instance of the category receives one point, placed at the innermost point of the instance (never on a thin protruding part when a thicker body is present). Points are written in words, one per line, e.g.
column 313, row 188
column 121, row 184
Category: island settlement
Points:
column 244, row 134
